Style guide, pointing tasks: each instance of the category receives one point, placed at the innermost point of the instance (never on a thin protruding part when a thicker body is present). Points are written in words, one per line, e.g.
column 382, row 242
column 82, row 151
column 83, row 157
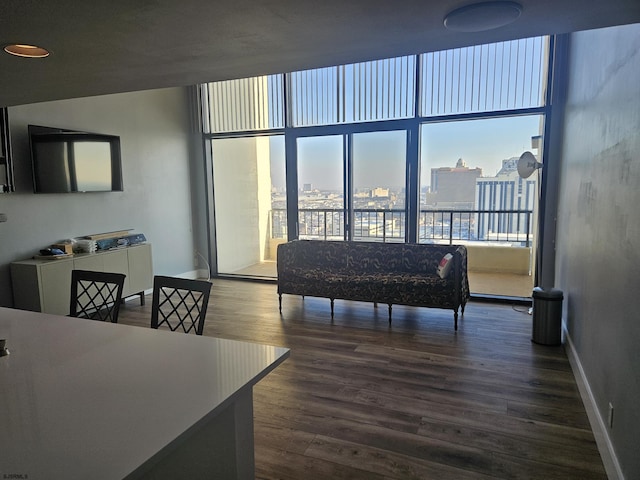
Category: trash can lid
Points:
column 547, row 293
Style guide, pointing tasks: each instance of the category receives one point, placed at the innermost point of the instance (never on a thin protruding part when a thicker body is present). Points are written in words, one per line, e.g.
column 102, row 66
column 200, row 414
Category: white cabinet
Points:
column 45, row 285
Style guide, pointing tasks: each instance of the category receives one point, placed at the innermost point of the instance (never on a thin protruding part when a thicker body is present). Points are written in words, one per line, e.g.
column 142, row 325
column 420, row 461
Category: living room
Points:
column 595, row 235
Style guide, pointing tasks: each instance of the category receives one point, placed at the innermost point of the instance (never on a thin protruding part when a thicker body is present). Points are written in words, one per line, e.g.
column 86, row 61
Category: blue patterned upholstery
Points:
column 391, row 273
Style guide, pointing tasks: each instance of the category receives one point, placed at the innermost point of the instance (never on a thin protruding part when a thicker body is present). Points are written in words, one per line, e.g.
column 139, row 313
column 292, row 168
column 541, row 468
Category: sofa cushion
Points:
column 444, row 267
column 407, row 288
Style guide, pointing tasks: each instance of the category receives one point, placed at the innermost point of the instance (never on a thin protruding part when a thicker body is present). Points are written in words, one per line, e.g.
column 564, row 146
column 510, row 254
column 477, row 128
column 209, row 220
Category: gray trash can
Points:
column 547, row 316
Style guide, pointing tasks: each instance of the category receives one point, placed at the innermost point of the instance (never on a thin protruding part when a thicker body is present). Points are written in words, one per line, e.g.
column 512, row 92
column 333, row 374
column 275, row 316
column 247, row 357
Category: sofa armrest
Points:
column 461, row 279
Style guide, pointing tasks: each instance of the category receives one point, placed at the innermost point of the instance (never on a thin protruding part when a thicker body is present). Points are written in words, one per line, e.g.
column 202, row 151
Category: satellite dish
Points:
column 527, row 164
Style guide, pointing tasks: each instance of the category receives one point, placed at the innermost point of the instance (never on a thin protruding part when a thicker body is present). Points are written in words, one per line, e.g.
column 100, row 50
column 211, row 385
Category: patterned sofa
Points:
column 391, row 273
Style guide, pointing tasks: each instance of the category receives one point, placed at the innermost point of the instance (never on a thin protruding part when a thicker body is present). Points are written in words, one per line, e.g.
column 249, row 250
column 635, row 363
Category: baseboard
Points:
column 598, row 424
column 194, row 274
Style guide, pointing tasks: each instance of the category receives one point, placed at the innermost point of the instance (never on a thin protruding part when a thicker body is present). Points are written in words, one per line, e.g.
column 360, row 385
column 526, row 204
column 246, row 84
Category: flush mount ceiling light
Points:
column 479, row 17
column 26, row 51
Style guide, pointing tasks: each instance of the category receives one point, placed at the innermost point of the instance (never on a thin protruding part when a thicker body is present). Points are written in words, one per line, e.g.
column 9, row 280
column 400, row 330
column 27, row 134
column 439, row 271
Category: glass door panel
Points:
column 321, row 206
column 379, row 186
column 250, row 203
column 471, row 193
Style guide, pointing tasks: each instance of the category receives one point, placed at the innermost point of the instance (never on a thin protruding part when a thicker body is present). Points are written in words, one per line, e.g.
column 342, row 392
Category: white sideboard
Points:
column 45, row 285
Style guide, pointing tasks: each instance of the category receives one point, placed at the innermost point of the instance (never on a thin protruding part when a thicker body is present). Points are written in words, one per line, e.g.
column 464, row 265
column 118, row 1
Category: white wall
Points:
column 156, row 201
column 598, row 227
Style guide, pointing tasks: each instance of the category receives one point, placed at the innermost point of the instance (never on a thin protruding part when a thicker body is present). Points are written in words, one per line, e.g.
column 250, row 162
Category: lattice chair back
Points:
column 179, row 303
column 96, row 295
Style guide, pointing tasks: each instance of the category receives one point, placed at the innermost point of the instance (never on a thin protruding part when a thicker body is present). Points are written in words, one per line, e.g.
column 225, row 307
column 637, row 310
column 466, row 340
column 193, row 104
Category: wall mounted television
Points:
column 66, row 161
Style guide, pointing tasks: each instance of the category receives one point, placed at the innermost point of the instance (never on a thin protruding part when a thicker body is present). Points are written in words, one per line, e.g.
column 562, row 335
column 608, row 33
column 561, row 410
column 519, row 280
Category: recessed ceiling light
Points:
column 27, row 51
column 479, row 17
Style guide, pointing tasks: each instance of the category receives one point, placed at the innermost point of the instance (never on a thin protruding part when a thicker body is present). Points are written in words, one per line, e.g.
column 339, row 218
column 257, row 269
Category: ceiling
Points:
column 124, row 45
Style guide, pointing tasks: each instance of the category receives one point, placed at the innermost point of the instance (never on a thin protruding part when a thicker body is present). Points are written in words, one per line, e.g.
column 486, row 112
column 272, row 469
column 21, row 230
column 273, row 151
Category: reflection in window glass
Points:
column 92, row 162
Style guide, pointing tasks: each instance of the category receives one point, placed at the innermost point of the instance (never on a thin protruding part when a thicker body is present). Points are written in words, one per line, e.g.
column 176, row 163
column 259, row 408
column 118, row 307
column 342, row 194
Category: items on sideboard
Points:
column 91, row 244
column 83, row 245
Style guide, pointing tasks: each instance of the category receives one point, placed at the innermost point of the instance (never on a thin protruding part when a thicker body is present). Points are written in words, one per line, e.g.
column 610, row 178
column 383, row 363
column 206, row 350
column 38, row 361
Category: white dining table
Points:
column 81, row 399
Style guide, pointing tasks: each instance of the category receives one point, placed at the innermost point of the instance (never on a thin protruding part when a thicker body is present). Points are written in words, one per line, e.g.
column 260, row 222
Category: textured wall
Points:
column 598, row 229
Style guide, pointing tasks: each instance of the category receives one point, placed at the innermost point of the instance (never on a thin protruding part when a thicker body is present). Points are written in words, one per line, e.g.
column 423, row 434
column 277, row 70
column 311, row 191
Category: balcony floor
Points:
column 480, row 283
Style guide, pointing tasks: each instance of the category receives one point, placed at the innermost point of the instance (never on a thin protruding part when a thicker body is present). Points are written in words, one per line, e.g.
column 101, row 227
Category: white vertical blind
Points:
column 246, row 104
column 359, row 92
column 497, row 76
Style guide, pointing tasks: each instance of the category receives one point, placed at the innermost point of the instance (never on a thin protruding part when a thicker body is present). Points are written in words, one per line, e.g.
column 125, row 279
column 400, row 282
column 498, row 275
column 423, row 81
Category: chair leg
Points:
column 280, row 302
column 331, row 308
column 389, row 314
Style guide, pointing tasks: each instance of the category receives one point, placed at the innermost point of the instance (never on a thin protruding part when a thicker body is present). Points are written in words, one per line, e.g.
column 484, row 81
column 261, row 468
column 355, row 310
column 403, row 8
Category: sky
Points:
column 379, row 158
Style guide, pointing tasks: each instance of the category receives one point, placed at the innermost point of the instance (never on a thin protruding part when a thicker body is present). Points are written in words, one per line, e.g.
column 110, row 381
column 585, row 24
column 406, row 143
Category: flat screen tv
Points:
column 65, row 161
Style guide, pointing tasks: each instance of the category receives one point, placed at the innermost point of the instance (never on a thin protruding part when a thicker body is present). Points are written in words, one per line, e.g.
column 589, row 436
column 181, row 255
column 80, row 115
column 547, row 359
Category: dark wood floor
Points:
column 358, row 399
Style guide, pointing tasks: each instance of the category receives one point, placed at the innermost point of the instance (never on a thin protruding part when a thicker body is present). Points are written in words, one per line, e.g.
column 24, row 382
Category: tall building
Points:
column 506, row 191
column 454, row 188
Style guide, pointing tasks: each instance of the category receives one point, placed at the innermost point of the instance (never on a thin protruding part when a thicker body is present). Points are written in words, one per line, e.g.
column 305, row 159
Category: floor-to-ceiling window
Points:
column 471, row 193
column 321, row 202
column 411, row 149
column 250, row 199
column 248, row 169
column 378, row 194
column 352, row 186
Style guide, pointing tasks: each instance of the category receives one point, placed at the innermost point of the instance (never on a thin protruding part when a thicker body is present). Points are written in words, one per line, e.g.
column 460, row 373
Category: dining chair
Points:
column 179, row 303
column 96, row 295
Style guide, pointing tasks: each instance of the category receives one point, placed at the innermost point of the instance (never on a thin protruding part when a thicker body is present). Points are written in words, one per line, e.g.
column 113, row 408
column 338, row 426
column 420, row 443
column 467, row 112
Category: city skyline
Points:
column 481, row 144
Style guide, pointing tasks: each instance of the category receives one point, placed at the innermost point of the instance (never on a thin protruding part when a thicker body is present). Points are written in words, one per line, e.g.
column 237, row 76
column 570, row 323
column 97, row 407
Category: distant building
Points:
column 506, row 191
column 453, row 188
column 380, row 192
column 307, row 187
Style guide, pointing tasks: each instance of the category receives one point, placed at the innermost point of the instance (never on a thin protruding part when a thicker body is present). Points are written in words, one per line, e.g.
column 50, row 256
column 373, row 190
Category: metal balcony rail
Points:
column 435, row 226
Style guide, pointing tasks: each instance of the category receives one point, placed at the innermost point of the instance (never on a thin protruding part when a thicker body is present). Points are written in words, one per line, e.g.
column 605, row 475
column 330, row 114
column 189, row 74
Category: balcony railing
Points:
column 435, row 226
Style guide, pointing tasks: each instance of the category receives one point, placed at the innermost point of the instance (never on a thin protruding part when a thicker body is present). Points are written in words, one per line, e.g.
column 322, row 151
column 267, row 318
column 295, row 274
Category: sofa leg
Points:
column 375, row 304
column 331, row 308
column 280, row 302
column 455, row 320
column 389, row 314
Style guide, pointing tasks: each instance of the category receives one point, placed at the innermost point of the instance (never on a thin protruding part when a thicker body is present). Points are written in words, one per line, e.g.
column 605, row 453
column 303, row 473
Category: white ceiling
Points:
column 126, row 45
